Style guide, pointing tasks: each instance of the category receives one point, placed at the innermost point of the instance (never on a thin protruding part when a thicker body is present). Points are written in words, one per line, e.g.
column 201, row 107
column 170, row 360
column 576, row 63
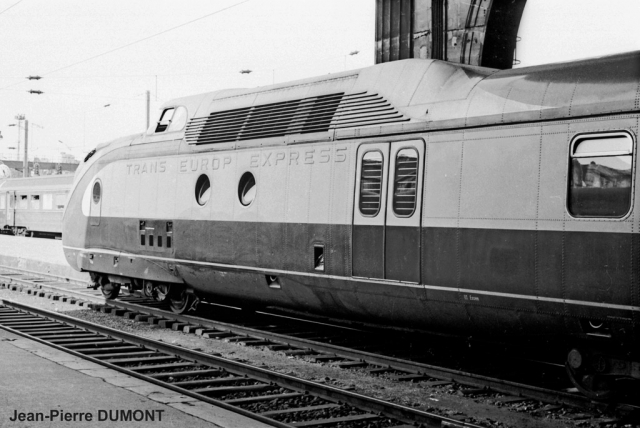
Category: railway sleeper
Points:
column 119, row 355
column 262, row 398
column 300, row 409
column 337, row 420
column 179, row 326
column 90, row 340
column 187, row 373
column 137, row 360
column 411, row 377
column 71, row 335
column 119, row 348
column 78, row 345
column 209, row 382
column 171, row 366
column 51, row 331
column 224, row 390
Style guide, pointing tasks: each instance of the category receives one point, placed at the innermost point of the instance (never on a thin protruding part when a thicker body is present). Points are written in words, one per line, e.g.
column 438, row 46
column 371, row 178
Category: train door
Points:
column 387, row 211
column 404, row 211
column 369, row 210
column 11, row 208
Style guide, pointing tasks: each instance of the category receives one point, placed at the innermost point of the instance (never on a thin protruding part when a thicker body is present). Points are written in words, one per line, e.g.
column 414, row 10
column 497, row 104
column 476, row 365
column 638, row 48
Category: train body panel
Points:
column 416, row 193
column 34, row 205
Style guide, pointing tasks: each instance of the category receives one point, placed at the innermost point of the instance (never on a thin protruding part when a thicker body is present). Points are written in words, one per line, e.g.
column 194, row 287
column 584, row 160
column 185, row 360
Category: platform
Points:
column 40, row 382
column 37, row 254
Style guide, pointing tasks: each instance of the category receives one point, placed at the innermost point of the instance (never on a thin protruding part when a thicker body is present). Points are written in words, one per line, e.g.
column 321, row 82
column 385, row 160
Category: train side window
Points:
column 165, row 119
column 371, row 183
column 47, row 201
column 23, row 202
column 600, row 175
column 61, row 201
column 34, row 204
column 179, row 119
column 405, row 183
column 3, row 201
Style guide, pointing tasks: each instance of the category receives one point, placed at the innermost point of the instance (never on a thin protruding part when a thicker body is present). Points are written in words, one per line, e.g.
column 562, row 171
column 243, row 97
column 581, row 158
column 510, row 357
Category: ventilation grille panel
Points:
column 304, row 116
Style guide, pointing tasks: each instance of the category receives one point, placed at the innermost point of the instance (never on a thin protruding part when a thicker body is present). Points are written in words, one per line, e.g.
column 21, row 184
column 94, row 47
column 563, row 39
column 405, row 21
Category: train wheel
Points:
column 110, row 291
column 587, row 376
column 180, row 301
column 596, row 387
column 162, row 292
column 147, row 289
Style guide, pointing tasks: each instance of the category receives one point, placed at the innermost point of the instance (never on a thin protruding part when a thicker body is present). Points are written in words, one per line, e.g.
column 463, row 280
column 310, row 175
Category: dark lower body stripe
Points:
column 484, row 275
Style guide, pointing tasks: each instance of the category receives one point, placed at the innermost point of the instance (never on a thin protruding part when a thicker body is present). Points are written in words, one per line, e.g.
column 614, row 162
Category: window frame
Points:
column 160, row 123
column 153, row 128
column 381, row 183
column 35, row 197
column 94, row 200
column 198, row 190
column 579, row 138
column 393, row 189
column 242, row 184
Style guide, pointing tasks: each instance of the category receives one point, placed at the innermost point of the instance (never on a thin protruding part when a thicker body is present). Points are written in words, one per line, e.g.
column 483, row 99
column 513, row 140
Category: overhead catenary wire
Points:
column 15, row 4
column 132, row 43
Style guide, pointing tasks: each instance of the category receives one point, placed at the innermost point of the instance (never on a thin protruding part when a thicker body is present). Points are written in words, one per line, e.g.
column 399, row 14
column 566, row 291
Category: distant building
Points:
column 68, row 158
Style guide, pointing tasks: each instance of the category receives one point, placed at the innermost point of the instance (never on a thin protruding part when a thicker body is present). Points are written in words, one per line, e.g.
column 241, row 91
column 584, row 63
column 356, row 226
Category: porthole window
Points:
column 97, row 192
column 600, row 175
column 203, row 189
column 247, row 189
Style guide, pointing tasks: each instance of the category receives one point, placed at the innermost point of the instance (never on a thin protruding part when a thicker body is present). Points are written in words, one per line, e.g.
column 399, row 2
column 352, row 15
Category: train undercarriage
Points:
column 181, row 299
column 598, row 370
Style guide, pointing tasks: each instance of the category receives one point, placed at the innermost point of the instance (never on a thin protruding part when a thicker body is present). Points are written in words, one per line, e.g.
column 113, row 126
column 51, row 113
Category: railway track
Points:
column 146, row 310
column 276, row 399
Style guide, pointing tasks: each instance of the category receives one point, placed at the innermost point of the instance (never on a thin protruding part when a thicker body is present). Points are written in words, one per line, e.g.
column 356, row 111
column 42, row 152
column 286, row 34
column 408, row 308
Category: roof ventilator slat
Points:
column 313, row 114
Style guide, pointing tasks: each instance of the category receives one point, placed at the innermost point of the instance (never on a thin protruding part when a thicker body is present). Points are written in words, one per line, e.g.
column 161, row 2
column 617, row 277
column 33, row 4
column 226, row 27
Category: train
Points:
column 33, row 206
column 418, row 193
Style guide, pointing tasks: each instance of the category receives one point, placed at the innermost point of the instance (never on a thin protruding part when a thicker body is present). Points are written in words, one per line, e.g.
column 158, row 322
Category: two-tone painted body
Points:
column 489, row 246
column 34, row 205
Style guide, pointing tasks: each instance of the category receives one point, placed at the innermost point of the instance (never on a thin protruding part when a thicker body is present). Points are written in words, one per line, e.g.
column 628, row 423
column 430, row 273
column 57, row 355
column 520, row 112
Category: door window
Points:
column 405, row 183
column 371, row 183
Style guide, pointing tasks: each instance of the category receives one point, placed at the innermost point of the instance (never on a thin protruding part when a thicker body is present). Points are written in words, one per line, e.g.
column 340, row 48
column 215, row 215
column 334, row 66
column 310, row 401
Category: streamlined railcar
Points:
column 33, row 206
column 417, row 193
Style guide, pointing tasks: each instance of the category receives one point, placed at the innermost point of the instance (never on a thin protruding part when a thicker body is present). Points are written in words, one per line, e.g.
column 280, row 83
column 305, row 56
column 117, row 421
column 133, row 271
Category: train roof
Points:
column 412, row 95
column 41, row 183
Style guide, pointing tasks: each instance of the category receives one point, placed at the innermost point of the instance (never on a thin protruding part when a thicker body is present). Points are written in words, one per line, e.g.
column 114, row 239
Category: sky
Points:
column 99, row 57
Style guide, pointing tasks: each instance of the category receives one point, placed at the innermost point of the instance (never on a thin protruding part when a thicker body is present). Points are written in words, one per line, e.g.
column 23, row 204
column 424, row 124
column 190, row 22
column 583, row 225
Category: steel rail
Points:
column 10, row 279
column 464, row 378
column 56, row 278
column 370, row 404
column 392, row 363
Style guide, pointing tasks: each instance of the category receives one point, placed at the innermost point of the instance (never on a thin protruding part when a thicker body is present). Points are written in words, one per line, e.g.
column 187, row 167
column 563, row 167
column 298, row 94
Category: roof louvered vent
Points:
column 304, row 116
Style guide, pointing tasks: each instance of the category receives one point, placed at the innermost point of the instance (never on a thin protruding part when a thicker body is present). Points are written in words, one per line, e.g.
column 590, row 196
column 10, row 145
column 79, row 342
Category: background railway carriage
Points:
column 415, row 193
column 33, row 206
